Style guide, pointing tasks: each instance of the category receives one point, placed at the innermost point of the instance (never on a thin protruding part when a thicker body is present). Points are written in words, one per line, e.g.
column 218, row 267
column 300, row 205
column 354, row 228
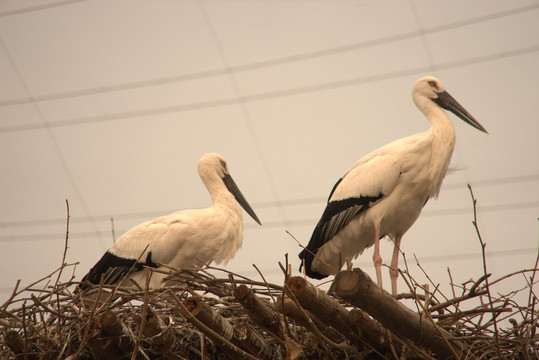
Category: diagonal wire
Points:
column 58, row 150
column 274, row 94
column 245, row 111
column 275, row 61
column 315, row 200
column 423, row 36
column 39, row 7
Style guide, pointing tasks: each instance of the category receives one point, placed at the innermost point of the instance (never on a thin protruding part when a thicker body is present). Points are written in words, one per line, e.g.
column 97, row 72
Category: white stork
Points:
column 383, row 193
column 183, row 239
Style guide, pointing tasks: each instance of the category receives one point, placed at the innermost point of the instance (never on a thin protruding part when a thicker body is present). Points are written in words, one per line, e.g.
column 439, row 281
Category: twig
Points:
column 206, row 329
column 112, row 230
column 483, row 246
column 24, row 331
column 60, row 273
column 531, row 297
column 342, row 346
column 436, row 327
column 142, row 317
column 13, row 294
column 451, row 282
column 315, row 255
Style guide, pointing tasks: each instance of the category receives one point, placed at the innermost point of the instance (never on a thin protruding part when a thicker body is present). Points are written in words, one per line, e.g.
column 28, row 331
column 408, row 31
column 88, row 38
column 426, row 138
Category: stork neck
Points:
column 441, row 125
column 219, row 193
column 443, row 143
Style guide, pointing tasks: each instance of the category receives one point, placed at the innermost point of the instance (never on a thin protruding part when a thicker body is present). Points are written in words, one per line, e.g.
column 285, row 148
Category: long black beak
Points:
column 233, row 188
column 448, row 102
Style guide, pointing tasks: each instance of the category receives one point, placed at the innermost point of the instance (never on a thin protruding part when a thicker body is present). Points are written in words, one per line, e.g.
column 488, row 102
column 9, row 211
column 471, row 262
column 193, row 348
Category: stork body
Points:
column 384, row 192
column 183, row 239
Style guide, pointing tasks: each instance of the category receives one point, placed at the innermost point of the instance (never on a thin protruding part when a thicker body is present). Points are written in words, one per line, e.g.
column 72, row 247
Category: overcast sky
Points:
column 110, row 104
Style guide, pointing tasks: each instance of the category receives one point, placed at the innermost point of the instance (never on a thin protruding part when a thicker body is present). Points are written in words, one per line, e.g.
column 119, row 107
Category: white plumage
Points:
column 384, row 192
column 183, row 239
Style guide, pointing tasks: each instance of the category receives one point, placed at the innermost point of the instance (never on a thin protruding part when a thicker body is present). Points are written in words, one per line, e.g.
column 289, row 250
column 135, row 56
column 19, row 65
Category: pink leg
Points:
column 394, row 270
column 376, row 256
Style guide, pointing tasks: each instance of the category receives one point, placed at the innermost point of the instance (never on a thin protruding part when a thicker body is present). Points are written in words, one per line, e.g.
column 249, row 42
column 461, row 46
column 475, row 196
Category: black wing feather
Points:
column 338, row 214
column 113, row 268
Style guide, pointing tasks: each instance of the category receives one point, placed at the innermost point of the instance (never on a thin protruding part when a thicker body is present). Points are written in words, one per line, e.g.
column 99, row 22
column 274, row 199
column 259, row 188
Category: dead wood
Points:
column 357, row 288
column 117, row 332
column 212, row 324
column 260, row 311
column 46, row 320
column 251, row 340
column 286, row 306
column 101, row 344
column 161, row 336
column 17, row 344
column 205, row 314
column 360, row 329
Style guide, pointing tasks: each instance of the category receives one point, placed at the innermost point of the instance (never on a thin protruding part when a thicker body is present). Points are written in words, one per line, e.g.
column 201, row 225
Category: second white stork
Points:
column 384, row 192
column 183, row 239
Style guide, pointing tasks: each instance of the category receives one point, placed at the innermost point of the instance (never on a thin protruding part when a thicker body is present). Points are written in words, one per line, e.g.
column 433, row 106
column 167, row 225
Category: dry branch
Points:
column 161, row 336
column 252, row 341
column 46, row 320
column 259, row 311
column 288, row 307
column 357, row 288
column 360, row 329
column 213, row 324
column 117, row 331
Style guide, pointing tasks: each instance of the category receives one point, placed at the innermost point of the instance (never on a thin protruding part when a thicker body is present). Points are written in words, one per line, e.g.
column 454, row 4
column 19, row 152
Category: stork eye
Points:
column 432, row 83
column 223, row 164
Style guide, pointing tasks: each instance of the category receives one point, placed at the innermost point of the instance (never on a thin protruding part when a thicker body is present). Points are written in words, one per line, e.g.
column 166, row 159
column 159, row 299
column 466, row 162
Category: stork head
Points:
column 213, row 170
column 429, row 89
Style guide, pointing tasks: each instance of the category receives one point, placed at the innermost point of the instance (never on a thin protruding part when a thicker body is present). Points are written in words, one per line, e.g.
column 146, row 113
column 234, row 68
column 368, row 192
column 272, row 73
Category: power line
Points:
column 272, row 62
column 269, row 95
column 281, row 224
column 39, row 7
column 244, row 110
column 46, row 124
column 266, row 204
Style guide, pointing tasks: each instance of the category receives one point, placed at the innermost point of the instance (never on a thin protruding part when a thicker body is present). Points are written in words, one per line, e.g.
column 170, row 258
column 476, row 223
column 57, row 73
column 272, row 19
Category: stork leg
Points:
column 394, row 269
column 377, row 259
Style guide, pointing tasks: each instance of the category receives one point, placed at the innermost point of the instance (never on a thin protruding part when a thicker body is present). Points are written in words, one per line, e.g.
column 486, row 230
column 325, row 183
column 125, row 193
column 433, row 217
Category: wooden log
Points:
column 220, row 330
column 356, row 287
column 100, row 344
column 112, row 326
column 252, row 341
column 259, row 311
column 334, row 314
column 103, row 348
column 162, row 337
column 49, row 349
column 205, row 314
column 15, row 341
column 289, row 308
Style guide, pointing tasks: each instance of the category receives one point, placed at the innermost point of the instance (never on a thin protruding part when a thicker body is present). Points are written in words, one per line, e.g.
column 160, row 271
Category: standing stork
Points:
column 383, row 193
column 183, row 239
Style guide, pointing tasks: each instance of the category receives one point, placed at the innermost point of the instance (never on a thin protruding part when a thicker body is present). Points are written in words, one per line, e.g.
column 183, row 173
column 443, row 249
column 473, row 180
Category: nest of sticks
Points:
column 211, row 313
column 216, row 314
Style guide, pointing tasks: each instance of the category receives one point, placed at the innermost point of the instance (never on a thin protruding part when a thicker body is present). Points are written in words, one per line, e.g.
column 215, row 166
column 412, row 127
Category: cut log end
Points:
column 241, row 292
column 347, row 282
column 15, row 341
column 193, row 304
column 297, row 285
